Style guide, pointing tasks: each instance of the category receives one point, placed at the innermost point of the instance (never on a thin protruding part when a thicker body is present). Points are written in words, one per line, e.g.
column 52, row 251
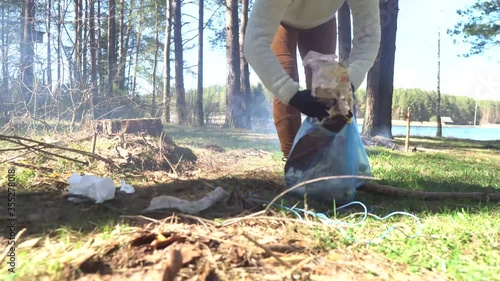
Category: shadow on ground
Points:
column 52, row 213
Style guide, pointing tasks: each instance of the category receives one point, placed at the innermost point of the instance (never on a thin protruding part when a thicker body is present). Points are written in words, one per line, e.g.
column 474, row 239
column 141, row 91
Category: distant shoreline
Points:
column 434, row 124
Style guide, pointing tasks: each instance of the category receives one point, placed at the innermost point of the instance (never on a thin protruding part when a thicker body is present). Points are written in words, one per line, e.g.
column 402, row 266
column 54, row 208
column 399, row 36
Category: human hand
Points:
column 308, row 105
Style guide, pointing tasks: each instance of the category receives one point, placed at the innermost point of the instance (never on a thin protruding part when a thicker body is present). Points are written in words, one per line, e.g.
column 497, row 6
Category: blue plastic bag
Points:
column 318, row 152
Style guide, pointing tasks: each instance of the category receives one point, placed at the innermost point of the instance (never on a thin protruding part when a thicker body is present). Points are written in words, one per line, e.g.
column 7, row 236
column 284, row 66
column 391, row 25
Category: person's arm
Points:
column 262, row 25
column 366, row 41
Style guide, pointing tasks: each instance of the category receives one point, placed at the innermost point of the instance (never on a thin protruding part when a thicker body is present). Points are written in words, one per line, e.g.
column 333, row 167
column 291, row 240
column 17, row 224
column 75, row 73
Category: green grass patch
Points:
column 435, row 171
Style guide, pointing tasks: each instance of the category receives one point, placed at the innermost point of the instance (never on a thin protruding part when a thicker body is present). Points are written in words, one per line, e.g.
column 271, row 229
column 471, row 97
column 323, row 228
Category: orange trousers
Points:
column 322, row 39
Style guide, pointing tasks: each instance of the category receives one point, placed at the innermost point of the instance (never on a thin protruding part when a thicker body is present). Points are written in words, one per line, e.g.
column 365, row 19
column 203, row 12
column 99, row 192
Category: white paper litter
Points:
column 127, row 188
column 99, row 189
column 186, row 206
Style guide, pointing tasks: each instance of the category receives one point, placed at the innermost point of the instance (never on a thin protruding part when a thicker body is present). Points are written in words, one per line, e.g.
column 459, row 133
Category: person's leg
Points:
column 286, row 118
column 322, row 39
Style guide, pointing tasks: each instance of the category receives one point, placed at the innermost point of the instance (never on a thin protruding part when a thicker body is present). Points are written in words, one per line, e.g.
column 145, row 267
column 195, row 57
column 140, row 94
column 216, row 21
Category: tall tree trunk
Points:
column 111, row 46
column 179, row 65
column 234, row 99
column 439, row 132
column 166, row 61
column 387, row 61
column 93, row 55
column 199, row 101
column 137, row 48
column 100, row 57
column 5, row 55
column 344, row 37
column 122, row 54
column 380, row 86
column 85, row 42
column 245, row 71
column 78, row 42
column 59, row 59
column 27, row 52
column 155, row 59
column 126, row 83
column 49, row 46
column 372, row 108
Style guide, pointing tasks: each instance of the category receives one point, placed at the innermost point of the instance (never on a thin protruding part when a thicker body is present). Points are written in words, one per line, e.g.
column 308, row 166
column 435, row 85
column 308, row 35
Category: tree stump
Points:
column 151, row 126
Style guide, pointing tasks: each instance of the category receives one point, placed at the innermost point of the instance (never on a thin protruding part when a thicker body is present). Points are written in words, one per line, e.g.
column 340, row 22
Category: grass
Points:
column 459, row 240
column 229, row 139
column 463, row 171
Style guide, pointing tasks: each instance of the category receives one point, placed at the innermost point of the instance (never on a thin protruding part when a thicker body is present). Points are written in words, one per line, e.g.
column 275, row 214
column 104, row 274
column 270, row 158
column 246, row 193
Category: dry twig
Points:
column 39, row 145
column 269, row 252
column 9, row 246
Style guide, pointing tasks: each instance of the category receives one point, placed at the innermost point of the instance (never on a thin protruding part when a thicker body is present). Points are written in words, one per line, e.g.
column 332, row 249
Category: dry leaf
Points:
column 162, row 242
column 30, row 243
column 189, row 253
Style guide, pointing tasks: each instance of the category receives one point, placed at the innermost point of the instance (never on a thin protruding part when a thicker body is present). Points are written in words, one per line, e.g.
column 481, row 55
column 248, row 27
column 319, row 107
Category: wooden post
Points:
column 407, row 141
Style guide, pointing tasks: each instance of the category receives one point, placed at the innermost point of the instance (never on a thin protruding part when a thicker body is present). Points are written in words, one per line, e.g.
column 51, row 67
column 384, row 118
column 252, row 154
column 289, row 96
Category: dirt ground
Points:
column 162, row 244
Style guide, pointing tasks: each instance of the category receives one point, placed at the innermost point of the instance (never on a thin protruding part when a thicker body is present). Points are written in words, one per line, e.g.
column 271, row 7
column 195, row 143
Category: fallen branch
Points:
column 39, row 145
column 391, row 191
column 33, row 167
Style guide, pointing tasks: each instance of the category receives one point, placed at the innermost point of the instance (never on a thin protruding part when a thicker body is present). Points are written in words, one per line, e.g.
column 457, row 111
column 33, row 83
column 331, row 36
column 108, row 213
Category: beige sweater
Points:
column 265, row 19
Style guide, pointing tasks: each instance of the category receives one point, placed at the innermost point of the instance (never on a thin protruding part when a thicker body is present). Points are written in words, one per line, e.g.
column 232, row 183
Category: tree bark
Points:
column 166, row 59
column 111, row 46
column 234, row 99
column 179, row 65
column 199, row 100
column 245, row 71
column 380, row 86
column 344, row 36
column 372, row 107
column 27, row 52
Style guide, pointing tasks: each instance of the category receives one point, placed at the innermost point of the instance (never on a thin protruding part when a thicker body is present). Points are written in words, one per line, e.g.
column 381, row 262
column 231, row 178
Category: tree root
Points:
column 391, row 191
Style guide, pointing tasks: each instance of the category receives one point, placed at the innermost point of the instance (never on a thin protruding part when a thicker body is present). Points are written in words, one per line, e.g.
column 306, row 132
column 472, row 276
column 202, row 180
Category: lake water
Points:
column 474, row 133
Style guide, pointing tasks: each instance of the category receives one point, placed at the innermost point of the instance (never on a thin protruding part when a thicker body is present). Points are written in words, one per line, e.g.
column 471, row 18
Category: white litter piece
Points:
column 99, row 189
column 127, row 188
column 186, row 206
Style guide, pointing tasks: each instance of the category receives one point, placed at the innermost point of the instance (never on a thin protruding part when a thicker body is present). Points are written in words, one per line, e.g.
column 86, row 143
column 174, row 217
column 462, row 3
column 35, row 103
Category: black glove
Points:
column 307, row 104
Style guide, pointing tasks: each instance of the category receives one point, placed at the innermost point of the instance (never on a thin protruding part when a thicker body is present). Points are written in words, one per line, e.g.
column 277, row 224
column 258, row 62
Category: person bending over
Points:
column 277, row 27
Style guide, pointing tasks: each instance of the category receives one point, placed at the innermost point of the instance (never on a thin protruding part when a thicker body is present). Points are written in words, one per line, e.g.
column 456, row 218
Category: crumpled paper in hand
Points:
column 186, row 206
column 99, row 189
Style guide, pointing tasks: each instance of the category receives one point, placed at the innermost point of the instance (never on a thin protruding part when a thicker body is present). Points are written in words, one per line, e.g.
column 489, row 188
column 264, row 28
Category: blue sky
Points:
column 416, row 54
